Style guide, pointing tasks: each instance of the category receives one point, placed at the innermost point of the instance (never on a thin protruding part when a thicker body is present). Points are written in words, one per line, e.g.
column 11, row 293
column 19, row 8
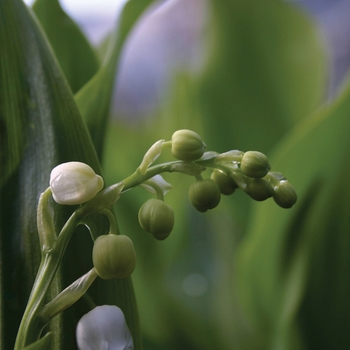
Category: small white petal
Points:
column 104, row 327
column 209, row 155
column 157, row 181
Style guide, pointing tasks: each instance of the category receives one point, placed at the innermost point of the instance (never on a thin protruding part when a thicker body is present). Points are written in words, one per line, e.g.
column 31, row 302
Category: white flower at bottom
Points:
column 74, row 183
column 104, row 328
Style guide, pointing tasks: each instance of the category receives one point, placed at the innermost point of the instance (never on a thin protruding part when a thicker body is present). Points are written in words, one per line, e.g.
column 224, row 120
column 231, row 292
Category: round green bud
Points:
column 157, row 218
column 204, row 194
column 113, row 256
column 255, row 164
column 226, row 184
column 187, row 145
column 259, row 189
column 285, row 195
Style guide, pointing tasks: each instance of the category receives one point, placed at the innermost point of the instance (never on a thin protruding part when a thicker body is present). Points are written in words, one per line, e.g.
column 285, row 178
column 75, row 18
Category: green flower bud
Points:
column 285, row 195
column 113, row 256
column 74, row 183
column 255, row 164
column 187, row 145
column 204, row 194
column 226, row 184
column 259, row 189
column 157, row 218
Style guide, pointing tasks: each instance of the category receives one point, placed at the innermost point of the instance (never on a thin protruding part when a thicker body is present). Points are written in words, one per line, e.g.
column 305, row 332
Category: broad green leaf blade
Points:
column 75, row 55
column 94, row 98
column 293, row 264
column 41, row 127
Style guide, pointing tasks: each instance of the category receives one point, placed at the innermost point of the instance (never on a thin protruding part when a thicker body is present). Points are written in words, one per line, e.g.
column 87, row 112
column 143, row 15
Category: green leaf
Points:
column 293, row 265
column 42, row 344
column 76, row 57
column 40, row 128
column 266, row 71
column 69, row 295
column 94, row 98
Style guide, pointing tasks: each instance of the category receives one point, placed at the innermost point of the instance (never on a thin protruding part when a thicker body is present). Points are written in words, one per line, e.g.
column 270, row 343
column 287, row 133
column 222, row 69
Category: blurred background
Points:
column 168, row 37
column 269, row 76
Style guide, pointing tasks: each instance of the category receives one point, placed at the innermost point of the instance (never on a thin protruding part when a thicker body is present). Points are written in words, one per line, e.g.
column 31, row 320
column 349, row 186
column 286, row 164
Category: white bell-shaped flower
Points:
column 74, row 183
column 104, row 328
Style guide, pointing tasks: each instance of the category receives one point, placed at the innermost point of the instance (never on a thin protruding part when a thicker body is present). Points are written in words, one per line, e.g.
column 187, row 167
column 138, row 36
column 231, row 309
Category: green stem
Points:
column 159, row 193
column 166, row 145
column 138, row 178
column 199, row 177
column 113, row 226
column 31, row 325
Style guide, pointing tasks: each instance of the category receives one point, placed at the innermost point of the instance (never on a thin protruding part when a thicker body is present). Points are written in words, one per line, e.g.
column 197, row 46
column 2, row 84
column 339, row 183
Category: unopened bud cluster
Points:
column 251, row 173
column 234, row 169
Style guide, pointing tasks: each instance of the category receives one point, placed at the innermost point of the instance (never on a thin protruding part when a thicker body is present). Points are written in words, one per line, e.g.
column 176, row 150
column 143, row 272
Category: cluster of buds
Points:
column 249, row 171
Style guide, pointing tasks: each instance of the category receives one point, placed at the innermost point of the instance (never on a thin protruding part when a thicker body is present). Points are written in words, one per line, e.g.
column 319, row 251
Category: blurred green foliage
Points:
column 245, row 275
